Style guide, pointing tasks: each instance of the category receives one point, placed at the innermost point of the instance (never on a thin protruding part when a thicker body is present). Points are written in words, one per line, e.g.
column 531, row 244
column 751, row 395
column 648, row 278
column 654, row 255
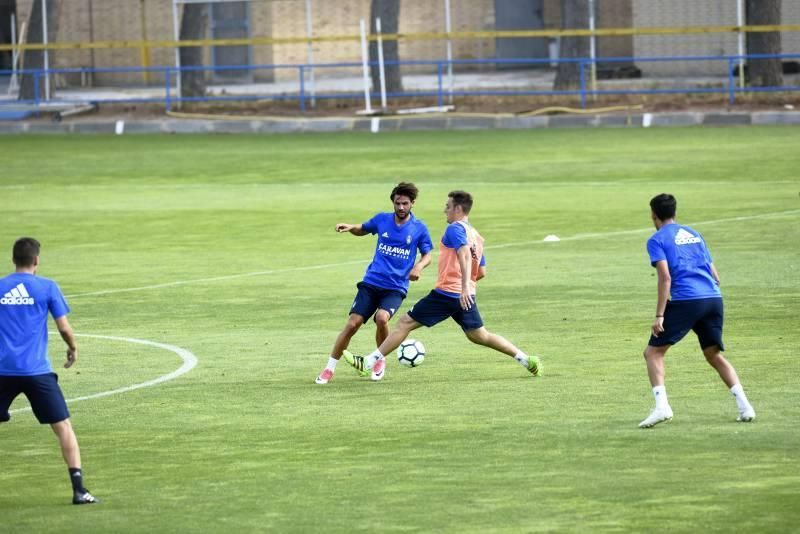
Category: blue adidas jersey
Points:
column 688, row 260
column 396, row 250
column 25, row 301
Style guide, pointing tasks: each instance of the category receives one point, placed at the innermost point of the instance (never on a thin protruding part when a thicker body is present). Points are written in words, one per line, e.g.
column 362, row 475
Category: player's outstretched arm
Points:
column 355, row 229
column 65, row 330
column 423, row 262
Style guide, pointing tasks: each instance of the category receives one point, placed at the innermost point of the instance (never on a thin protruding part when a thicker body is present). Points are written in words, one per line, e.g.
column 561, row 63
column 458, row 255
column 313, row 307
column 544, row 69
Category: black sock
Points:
column 76, row 477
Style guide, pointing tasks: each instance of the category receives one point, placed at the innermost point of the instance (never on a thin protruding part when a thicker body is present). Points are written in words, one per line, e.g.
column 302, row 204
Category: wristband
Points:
column 660, row 316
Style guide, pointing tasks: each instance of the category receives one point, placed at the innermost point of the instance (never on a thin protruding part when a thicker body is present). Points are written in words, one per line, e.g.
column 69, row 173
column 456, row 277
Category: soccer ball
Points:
column 411, row 353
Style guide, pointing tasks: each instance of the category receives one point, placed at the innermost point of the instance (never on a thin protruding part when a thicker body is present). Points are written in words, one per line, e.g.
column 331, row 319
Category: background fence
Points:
column 288, row 49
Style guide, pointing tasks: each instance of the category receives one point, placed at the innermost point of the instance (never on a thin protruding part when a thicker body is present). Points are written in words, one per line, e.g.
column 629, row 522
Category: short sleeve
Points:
column 655, row 251
column 58, row 304
column 483, row 261
column 425, row 242
column 371, row 226
column 455, row 236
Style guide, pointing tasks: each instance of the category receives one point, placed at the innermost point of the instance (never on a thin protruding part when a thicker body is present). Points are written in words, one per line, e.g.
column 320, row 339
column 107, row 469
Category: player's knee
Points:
column 478, row 337
column 382, row 319
column 353, row 325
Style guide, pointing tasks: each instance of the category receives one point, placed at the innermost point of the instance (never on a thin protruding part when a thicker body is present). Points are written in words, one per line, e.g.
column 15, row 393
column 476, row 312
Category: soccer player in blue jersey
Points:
column 25, row 301
column 688, row 299
column 461, row 265
column 385, row 284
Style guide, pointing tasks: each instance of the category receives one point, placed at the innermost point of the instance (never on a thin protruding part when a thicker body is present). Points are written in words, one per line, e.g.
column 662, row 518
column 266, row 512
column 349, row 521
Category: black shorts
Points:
column 371, row 298
column 435, row 308
column 43, row 392
column 704, row 316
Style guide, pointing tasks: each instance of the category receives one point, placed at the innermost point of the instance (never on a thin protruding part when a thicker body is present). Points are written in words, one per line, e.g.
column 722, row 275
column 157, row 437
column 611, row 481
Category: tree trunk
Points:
column 574, row 16
column 34, row 59
column 389, row 13
column 194, row 25
column 764, row 72
column 7, row 8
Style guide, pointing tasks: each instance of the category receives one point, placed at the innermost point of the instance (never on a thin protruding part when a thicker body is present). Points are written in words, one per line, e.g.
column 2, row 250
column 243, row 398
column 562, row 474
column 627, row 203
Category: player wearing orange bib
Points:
column 461, row 265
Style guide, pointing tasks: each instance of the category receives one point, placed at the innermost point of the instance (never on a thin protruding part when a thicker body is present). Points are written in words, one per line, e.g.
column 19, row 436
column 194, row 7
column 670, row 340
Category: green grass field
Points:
column 224, row 246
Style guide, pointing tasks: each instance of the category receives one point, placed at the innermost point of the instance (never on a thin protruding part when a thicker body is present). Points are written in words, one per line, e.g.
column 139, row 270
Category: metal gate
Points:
column 520, row 15
column 231, row 20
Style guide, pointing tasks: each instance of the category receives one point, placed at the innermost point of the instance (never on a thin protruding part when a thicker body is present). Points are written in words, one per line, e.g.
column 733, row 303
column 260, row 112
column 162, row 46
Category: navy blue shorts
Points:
column 371, row 298
column 704, row 316
column 43, row 393
column 435, row 308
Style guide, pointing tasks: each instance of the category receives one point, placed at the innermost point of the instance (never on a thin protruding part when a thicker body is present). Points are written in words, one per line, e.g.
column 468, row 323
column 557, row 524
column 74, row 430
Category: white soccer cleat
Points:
column 658, row 415
column 378, row 370
column 370, row 361
column 747, row 415
column 324, row 377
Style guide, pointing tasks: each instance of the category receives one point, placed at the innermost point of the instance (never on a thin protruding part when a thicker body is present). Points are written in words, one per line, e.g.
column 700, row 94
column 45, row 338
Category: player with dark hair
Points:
column 461, row 265
column 24, row 366
column 689, row 298
column 385, row 283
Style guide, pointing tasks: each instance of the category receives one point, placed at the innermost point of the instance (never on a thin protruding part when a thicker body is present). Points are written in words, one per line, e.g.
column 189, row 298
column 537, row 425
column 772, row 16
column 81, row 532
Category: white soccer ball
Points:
column 411, row 353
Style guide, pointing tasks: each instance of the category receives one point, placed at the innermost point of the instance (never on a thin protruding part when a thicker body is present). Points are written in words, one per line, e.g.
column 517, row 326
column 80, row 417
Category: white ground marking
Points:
column 189, row 362
column 576, row 237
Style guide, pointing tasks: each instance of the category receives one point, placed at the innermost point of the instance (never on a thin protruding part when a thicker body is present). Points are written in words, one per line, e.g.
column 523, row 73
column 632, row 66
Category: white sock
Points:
column 522, row 358
column 332, row 363
column 741, row 399
column 369, row 361
column 660, row 393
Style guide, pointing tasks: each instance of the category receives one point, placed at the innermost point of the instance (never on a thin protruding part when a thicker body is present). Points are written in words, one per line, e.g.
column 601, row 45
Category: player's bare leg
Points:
column 382, row 319
column 72, row 456
column 481, row 336
column 376, row 361
column 354, row 323
column 728, row 375
column 654, row 357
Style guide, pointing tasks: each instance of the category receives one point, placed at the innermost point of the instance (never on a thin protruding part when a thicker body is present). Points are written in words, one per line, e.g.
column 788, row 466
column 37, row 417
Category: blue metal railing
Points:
column 440, row 93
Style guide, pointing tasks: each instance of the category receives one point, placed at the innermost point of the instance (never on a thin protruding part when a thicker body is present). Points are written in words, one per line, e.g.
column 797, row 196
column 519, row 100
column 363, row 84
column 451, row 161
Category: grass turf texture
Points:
column 468, row 441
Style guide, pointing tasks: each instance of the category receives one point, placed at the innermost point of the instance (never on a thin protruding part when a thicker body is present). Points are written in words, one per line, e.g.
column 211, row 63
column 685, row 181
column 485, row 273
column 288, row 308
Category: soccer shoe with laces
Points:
column 535, row 365
column 356, row 362
column 379, row 369
column 747, row 415
column 84, row 497
column 324, row 377
column 658, row 415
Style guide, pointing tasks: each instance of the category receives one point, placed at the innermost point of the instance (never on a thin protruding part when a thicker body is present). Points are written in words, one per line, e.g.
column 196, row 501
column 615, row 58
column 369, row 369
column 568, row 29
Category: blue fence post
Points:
column 731, row 83
column 36, row 97
column 439, row 91
column 167, row 87
column 302, row 71
column 583, row 84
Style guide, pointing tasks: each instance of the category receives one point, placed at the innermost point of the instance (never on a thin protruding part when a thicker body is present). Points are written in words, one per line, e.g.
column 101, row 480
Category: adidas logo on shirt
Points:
column 385, row 234
column 17, row 297
column 685, row 238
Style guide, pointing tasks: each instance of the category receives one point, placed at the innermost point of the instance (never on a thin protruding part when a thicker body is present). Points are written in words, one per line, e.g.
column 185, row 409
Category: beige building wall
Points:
column 114, row 20
column 342, row 18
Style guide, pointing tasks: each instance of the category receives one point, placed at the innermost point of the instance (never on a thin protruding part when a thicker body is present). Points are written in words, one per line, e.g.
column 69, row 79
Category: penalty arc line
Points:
column 189, row 363
column 576, row 237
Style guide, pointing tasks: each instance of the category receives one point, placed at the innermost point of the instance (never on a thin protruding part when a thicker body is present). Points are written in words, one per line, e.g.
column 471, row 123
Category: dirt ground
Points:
column 510, row 105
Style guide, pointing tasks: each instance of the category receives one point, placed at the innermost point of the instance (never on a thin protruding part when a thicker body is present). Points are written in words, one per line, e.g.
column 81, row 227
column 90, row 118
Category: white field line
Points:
column 189, row 362
column 576, row 237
